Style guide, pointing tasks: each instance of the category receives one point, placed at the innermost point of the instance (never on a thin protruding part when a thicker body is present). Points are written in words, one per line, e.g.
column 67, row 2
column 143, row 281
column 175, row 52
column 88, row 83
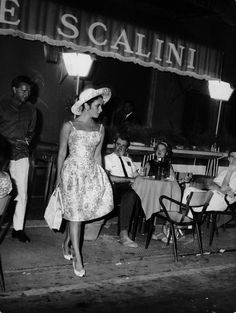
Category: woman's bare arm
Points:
column 98, row 155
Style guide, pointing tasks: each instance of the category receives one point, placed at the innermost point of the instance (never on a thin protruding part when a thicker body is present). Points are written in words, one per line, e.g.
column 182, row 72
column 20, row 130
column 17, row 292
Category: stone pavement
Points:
column 38, row 267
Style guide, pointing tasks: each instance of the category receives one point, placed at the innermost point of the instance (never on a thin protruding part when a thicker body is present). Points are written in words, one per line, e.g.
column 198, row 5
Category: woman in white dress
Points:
column 85, row 187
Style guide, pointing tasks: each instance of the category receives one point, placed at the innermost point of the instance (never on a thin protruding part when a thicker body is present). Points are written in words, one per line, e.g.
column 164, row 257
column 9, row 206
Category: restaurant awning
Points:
column 61, row 25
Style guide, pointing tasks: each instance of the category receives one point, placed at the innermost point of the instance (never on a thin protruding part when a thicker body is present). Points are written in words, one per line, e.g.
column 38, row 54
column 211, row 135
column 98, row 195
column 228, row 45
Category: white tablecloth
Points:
column 149, row 190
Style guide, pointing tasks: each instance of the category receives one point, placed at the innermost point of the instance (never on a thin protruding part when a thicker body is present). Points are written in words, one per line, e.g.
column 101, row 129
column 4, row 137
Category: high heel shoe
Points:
column 67, row 256
column 80, row 273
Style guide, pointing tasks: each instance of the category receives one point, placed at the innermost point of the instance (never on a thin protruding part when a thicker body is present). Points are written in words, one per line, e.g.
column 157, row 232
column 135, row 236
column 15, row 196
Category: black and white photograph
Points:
column 117, row 156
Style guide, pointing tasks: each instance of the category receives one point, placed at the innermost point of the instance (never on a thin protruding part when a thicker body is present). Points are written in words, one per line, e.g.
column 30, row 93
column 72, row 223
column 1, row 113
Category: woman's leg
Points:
column 75, row 231
column 66, row 243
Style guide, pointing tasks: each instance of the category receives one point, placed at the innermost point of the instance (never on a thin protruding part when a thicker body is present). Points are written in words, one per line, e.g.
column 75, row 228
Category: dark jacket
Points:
column 17, row 124
column 159, row 169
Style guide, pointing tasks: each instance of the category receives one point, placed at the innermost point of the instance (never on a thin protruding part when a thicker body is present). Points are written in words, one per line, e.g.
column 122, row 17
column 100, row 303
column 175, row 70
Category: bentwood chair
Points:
column 4, row 205
column 147, row 157
column 185, row 216
column 215, row 215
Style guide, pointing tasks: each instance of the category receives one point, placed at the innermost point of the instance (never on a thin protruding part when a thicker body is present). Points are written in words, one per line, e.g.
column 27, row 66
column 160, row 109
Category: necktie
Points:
column 123, row 167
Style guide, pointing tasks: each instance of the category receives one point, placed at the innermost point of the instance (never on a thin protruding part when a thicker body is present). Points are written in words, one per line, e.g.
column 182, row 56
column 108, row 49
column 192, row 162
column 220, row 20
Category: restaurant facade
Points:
column 58, row 25
column 55, row 27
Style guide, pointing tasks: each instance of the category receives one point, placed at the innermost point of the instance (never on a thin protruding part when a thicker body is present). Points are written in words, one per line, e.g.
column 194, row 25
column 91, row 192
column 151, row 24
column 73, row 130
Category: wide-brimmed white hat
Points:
column 89, row 94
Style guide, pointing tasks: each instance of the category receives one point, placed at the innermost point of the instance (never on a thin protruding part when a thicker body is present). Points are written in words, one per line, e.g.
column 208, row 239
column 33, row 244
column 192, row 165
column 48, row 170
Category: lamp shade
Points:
column 219, row 90
column 77, row 64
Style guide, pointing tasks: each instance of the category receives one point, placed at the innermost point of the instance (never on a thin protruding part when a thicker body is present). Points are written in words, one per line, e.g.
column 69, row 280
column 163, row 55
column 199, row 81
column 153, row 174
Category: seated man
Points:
column 224, row 188
column 122, row 173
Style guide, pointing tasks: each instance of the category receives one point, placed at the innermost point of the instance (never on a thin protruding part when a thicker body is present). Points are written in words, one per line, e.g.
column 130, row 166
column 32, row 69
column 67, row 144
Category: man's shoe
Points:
column 20, row 235
column 157, row 236
column 127, row 242
column 165, row 240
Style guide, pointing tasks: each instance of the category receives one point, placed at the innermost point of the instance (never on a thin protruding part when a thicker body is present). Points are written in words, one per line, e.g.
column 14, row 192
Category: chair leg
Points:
column 224, row 227
column 234, row 216
column 169, row 235
column 199, row 237
column 47, row 184
column 213, row 227
column 51, row 182
column 150, row 231
column 2, row 276
column 4, row 231
column 208, row 218
column 172, row 232
column 32, row 171
column 193, row 231
column 216, row 228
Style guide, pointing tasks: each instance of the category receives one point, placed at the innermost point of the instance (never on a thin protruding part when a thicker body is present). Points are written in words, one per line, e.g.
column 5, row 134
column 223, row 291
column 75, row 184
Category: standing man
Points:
column 122, row 172
column 17, row 123
column 129, row 115
column 126, row 116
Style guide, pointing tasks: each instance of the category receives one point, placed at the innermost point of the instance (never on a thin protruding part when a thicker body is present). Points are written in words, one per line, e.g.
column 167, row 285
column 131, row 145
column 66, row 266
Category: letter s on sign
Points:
column 66, row 23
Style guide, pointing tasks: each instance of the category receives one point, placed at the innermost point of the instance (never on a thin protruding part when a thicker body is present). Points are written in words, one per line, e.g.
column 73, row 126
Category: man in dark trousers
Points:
column 122, row 172
column 17, row 123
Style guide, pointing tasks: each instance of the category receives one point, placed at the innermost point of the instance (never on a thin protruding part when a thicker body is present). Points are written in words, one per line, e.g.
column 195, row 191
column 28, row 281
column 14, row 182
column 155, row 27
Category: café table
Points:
column 150, row 189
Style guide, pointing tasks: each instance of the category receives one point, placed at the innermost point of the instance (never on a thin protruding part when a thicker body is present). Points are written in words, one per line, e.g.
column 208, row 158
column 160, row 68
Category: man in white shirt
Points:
column 122, row 172
column 225, row 182
column 223, row 187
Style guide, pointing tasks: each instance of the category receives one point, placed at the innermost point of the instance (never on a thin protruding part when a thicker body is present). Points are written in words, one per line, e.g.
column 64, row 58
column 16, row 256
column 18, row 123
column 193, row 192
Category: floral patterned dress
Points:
column 5, row 184
column 86, row 190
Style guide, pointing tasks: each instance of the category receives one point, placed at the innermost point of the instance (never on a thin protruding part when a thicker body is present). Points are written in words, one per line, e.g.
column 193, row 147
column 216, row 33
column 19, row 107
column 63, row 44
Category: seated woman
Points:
column 5, row 184
column 160, row 166
column 5, row 181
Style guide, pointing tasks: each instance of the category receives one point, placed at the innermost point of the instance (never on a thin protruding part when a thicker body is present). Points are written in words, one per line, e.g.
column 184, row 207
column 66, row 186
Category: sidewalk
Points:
column 38, row 267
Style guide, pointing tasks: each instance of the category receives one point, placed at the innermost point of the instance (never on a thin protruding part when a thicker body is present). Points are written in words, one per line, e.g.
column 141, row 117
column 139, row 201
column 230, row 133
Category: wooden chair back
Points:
column 199, row 198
